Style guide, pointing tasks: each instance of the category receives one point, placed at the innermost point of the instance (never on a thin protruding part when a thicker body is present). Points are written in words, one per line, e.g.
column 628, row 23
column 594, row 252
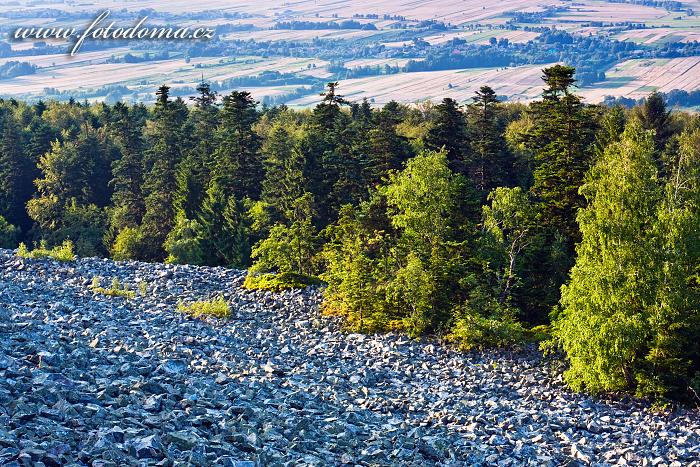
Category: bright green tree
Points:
column 605, row 308
column 289, row 248
column 510, row 221
column 184, row 244
column 673, row 359
column 356, row 268
column 422, row 202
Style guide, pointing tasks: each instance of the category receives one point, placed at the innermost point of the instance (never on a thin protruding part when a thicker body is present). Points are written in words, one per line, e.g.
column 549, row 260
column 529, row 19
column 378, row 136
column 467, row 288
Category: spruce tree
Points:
column 449, row 131
column 654, row 115
column 127, row 171
column 325, row 160
column 562, row 133
column 160, row 184
column 224, row 232
column 388, row 150
column 14, row 171
column 194, row 172
column 491, row 166
column 238, row 164
column 349, row 163
column 284, row 172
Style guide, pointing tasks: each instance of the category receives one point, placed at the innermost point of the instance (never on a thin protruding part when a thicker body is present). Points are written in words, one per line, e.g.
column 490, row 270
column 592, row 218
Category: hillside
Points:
column 98, row 380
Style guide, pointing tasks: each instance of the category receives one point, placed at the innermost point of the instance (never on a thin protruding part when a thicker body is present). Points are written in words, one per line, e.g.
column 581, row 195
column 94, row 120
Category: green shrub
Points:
column 85, row 225
column 8, row 234
column 127, row 245
column 116, row 290
column 183, row 244
column 540, row 333
column 494, row 325
column 64, row 252
column 279, row 282
column 217, row 308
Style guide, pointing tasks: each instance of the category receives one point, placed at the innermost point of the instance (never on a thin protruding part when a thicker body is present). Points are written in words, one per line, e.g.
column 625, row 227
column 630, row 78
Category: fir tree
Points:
column 224, row 232
column 449, row 131
column 14, row 171
column 194, row 172
column 654, row 115
column 560, row 140
column 284, row 176
column 490, row 166
column 127, row 170
column 388, row 150
column 160, row 184
column 325, row 162
column 238, row 164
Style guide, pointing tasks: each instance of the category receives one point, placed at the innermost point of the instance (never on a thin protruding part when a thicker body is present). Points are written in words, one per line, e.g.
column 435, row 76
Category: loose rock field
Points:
column 88, row 379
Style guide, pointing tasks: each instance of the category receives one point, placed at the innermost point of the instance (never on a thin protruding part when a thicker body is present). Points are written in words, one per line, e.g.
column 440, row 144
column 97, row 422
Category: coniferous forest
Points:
column 489, row 224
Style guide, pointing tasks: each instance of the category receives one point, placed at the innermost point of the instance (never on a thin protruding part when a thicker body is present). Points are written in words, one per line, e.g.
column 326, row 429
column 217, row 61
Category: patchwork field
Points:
column 483, row 36
column 518, row 83
column 455, row 11
column 637, row 78
column 610, row 12
column 299, row 35
column 660, row 35
column 81, row 75
column 377, row 62
column 476, row 22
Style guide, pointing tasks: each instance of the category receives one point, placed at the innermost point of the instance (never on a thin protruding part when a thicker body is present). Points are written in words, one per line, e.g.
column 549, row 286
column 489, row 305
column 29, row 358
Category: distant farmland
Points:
column 402, row 31
column 637, row 78
column 518, row 83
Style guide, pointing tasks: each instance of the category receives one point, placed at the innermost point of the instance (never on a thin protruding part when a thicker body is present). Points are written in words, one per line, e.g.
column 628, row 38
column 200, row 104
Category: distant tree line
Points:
column 12, row 69
column 675, row 97
column 314, row 25
column 665, row 4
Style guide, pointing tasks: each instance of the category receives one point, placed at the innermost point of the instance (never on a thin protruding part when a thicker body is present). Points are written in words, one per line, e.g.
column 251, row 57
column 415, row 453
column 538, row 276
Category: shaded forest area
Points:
column 489, row 224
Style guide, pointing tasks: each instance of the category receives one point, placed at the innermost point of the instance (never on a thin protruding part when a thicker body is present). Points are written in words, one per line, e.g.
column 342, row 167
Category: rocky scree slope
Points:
column 89, row 379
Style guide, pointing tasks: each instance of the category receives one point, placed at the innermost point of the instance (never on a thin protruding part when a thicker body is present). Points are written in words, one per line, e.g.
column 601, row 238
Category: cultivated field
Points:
column 518, row 83
column 660, row 35
column 610, row 12
column 81, row 76
column 476, row 22
column 299, row 35
column 377, row 62
column 637, row 78
column 483, row 36
column 455, row 11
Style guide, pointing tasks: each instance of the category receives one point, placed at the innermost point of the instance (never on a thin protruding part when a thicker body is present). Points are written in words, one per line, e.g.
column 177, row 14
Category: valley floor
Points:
column 97, row 380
